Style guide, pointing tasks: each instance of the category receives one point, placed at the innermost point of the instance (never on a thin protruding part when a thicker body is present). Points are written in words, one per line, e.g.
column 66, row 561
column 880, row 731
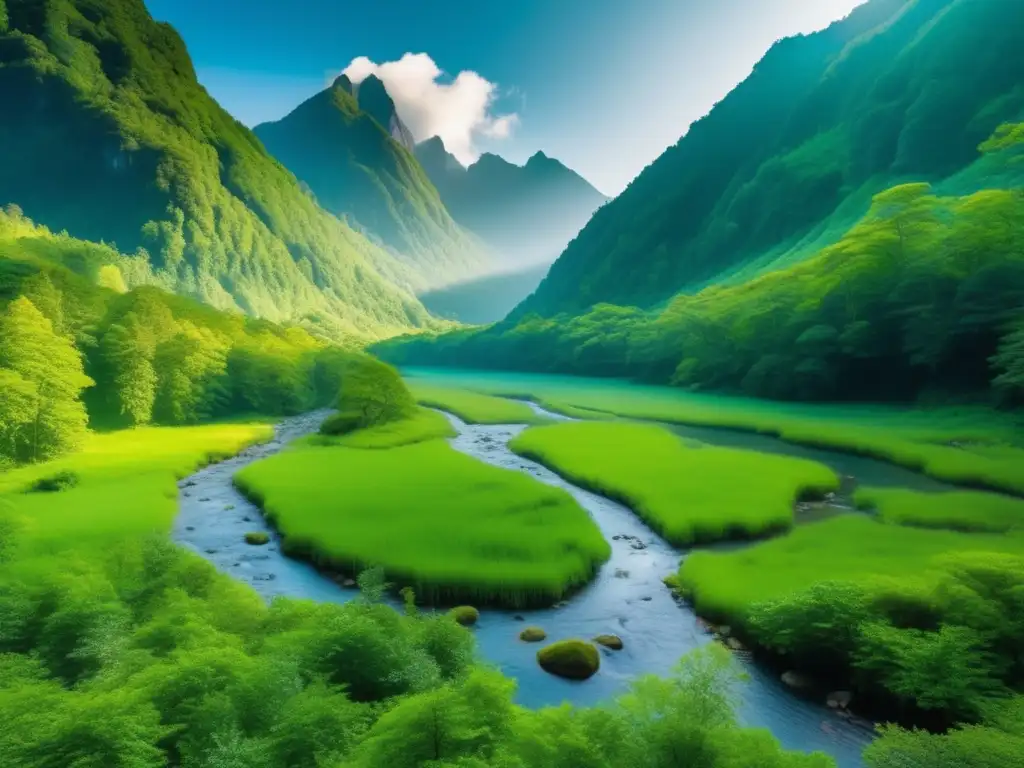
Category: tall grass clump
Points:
column 687, row 492
column 451, row 527
column 420, row 426
column 475, row 407
column 971, row 446
column 967, row 511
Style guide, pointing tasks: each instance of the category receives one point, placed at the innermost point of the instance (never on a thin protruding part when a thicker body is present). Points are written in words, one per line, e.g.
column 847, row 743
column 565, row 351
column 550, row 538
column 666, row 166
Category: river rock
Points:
column 724, row 631
column 795, row 680
column 533, row 635
column 348, row 583
column 839, row 699
column 466, row 615
column 571, row 659
column 735, row 644
column 613, row 642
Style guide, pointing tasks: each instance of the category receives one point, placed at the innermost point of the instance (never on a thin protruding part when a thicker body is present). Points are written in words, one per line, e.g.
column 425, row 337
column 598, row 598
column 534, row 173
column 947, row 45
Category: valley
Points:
column 344, row 423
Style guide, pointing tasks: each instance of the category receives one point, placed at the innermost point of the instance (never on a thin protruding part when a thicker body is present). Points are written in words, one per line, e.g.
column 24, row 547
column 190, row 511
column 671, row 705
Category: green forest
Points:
column 112, row 118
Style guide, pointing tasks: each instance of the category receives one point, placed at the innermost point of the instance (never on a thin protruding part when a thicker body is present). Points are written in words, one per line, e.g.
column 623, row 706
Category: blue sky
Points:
column 603, row 85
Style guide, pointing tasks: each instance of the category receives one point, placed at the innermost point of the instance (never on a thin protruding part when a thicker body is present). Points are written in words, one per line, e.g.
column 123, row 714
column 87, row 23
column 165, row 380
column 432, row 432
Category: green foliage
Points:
column 959, row 511
column 43, row 416
column 965, row 747
column 421, row 426
column 372, row 395
column 686, row 492
column 573, row 659
column 449, row 526
column 124, row 146
column 784, row 162
column 922, row 295
column 60, row 481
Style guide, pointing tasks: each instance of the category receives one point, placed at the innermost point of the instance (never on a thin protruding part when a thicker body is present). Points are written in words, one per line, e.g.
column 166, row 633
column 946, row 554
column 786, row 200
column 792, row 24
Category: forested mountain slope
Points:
column 108, row 134
column 528, row 213
column 350, row 148
column 900, row 90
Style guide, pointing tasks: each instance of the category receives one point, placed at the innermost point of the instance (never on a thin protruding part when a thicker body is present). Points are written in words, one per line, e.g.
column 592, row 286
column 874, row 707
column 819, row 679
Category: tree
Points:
column 18, row 399
column 128, row 349
column 50, row 363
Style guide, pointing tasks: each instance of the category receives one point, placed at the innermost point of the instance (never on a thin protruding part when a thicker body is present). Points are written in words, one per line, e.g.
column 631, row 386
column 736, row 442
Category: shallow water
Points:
column 627, row 598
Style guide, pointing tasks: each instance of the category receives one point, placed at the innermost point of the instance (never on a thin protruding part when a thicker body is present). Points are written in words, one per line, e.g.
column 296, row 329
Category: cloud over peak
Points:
column 460, row 111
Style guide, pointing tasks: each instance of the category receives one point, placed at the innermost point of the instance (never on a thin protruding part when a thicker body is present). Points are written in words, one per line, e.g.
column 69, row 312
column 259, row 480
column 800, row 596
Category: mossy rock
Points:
column 571, row 659
column 614, row 642
column 466, row 615
column 256, row 538
column 533, row 635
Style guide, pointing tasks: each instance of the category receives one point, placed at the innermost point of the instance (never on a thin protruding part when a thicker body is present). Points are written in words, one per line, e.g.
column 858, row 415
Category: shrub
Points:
column 60, row 481
column 256, row 538
column 572, row 659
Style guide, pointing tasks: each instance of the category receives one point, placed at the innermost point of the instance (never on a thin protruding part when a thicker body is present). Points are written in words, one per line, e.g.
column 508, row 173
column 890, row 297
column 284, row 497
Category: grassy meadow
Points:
column 850, row 548
column 446, row 524
column 475, row 407
column 124, row 482
column 972, row 446
column 688, row 492
column 968, row 511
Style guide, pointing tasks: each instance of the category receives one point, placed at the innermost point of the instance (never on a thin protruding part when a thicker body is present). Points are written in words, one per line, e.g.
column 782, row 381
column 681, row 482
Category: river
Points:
column 627, row 598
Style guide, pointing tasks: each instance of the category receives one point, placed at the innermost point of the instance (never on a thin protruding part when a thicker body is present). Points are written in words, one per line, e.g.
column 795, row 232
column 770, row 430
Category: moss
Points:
column 466, row 615
column 256, row 538
column 572, row 659
column 614, row 642
column 533, row 635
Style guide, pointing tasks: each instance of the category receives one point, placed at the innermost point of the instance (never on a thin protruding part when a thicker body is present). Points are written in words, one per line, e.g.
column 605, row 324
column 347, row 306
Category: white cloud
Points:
column 459, row 112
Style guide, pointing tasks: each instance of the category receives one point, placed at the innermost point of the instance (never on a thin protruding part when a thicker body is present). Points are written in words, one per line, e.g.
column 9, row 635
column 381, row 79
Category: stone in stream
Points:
column 612, row 642
column 190, row 527
column 839, row 700
column 795, row 680
column 533, row 635
column 571, row 659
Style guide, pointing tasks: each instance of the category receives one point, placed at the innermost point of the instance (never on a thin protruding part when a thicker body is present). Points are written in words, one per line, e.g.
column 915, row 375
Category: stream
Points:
column 627, row 597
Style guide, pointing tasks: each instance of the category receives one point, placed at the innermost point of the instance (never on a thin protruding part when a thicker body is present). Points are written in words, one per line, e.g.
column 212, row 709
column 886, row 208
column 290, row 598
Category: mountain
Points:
column 352, row 151
column 527, row 213
column 485, row 299
column 113, row 139
column 788, row 160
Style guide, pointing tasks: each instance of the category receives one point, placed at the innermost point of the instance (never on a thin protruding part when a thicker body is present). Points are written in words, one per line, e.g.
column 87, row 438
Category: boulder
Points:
column 795, row 680
column 735, row 644
column 614, row 642
column 571, row 659
column 533, row 635
column 466, row 615
column 839, row 699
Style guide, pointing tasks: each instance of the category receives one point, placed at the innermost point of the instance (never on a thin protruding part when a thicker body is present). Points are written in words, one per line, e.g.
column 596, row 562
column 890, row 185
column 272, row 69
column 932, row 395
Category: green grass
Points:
column 473, row 407
column 421, row 426
column 688, row 492
column 968, row 511
column 851, row 548
column 989, row 450
column 446, row 524
column 126, row 482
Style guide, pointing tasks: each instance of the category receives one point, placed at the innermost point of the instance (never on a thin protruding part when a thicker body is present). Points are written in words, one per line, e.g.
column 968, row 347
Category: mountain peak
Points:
column 375, row 101
column 343, row 83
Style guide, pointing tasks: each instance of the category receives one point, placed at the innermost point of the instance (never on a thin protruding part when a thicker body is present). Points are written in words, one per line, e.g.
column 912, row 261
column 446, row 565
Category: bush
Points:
column 61, row 481
column 340, row 424
column 466, row 615
column 572, row 659
column 257, row 538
